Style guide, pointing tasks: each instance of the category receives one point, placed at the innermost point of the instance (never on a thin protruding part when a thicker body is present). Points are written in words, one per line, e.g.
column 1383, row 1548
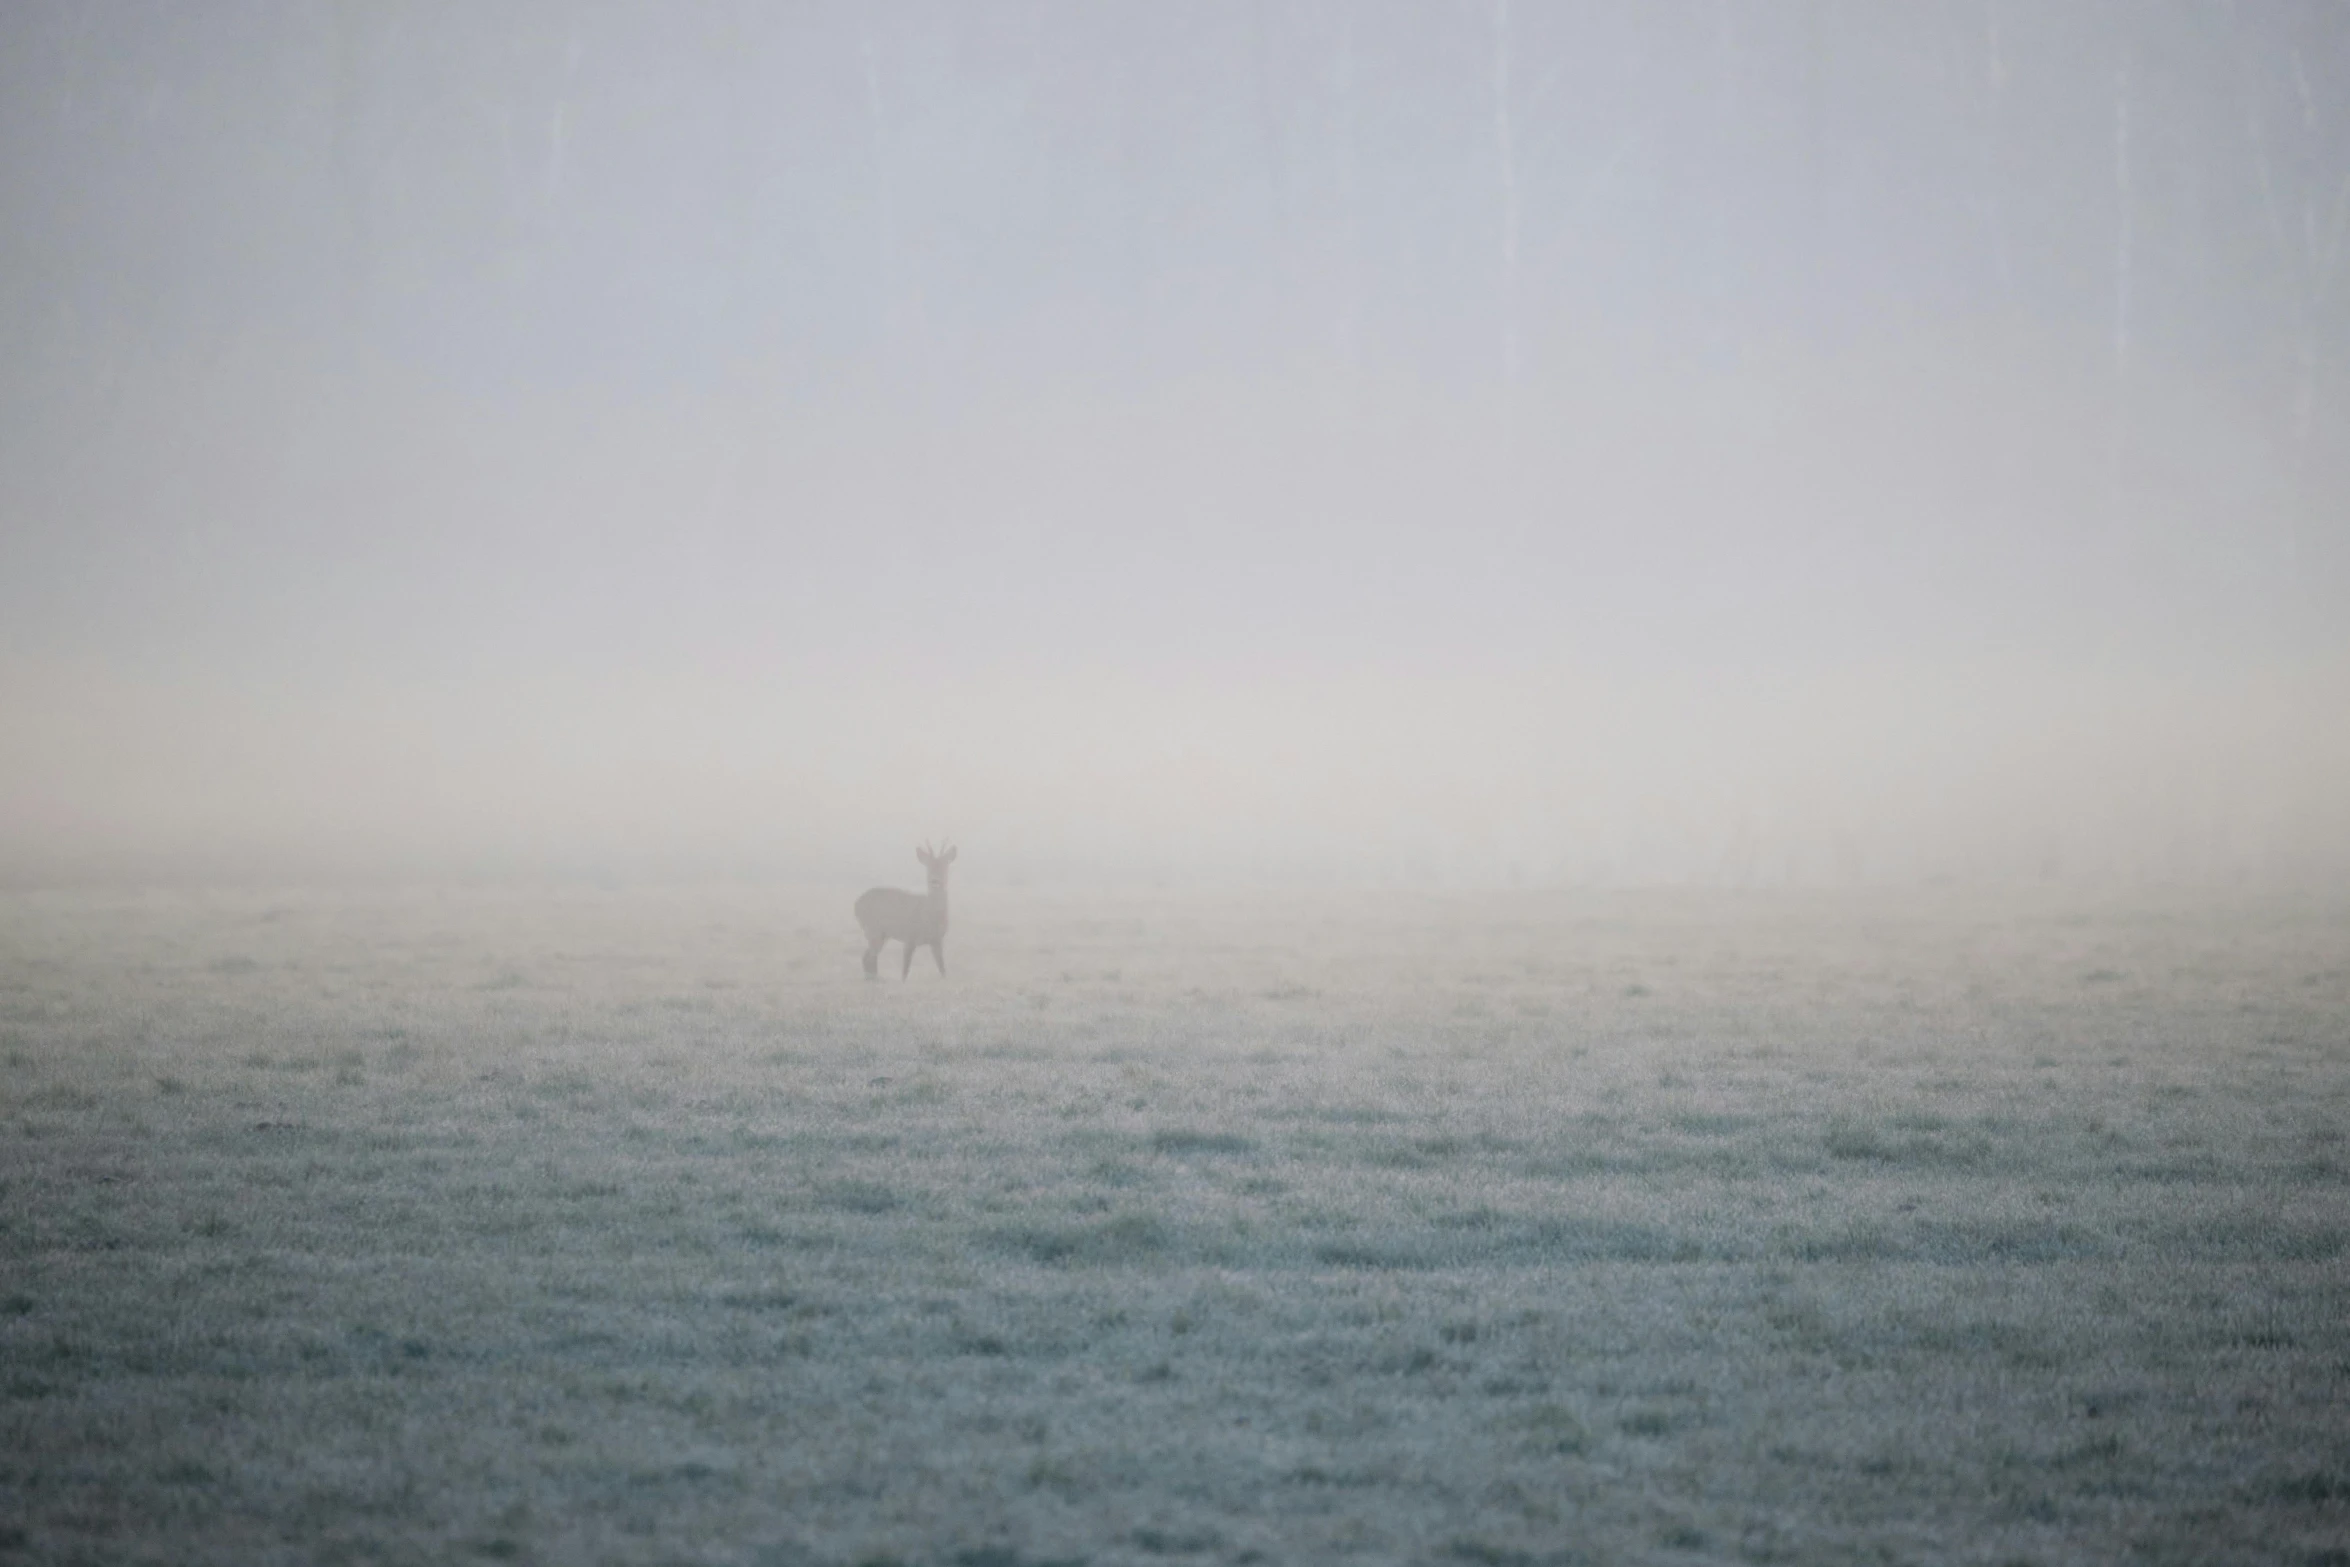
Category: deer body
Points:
column 914, row 919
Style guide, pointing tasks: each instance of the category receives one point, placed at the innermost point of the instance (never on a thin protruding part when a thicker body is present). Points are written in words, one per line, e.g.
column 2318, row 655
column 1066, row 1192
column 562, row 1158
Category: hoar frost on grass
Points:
column 584, row 1226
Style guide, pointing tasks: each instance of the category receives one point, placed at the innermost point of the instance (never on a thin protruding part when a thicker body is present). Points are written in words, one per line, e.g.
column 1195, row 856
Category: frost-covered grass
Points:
column 638, row 1227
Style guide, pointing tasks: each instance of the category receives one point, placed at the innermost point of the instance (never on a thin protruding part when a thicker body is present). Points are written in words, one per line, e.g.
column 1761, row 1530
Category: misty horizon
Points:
column 1394, row 445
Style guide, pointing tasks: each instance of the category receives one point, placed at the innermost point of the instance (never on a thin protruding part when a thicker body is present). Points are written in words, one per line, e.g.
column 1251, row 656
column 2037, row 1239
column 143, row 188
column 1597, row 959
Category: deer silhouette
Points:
column 917, row 919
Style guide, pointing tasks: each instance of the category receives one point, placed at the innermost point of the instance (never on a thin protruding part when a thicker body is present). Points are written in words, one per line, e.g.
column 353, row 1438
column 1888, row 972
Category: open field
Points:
column 637, row 1227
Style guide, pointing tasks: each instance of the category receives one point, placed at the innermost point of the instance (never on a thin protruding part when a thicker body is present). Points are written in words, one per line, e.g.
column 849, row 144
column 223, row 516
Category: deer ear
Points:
column 952, row 851
column 923, row 855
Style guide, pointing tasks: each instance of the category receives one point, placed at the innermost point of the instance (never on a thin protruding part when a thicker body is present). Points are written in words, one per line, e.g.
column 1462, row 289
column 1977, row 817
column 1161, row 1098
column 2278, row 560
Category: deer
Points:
column 886, row 914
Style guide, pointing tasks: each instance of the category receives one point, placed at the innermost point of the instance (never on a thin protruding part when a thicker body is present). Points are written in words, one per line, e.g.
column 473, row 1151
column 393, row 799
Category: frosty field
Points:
column 635, row 1226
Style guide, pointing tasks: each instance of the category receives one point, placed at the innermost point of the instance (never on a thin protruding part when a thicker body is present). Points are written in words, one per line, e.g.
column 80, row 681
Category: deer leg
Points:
column 873, row 957
column 908, row 968
column 938, row 950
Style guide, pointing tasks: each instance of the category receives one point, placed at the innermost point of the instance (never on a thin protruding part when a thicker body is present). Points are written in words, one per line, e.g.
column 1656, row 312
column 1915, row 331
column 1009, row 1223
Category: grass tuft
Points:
column 2311, row 1488
column 1122, row 1240
column 1554, row 1428
column 1184, row 1141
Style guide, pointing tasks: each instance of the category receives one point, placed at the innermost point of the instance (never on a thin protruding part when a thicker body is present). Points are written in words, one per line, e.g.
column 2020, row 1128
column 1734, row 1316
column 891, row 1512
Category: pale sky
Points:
column 1408, row 442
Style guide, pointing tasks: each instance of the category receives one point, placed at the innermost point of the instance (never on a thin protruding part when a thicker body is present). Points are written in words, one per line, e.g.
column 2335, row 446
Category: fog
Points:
column 1386, row 444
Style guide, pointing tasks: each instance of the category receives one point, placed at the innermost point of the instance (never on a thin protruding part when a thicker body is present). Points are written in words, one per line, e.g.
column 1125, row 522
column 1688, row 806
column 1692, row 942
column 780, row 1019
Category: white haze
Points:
column 1185, row 444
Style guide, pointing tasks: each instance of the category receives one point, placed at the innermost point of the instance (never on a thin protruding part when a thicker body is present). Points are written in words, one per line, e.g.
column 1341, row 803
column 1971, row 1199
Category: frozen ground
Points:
column 637, row 1227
